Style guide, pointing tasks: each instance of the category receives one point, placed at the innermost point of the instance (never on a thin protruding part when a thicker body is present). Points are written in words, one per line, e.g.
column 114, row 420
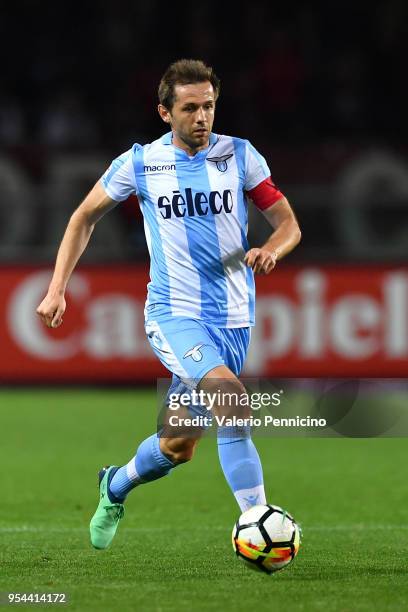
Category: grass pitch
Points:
column 173, row 548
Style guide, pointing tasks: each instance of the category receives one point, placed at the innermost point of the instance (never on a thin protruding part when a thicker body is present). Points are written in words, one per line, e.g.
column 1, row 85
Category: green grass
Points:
column 173, row 549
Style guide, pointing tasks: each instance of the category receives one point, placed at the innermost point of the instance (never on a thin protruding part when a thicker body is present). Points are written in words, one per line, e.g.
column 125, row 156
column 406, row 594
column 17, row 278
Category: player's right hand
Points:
column 262, row 261
column 51, row 310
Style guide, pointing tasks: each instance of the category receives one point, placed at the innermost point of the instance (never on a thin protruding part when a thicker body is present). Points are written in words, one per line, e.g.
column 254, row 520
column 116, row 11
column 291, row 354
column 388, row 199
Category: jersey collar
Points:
column 167, row 139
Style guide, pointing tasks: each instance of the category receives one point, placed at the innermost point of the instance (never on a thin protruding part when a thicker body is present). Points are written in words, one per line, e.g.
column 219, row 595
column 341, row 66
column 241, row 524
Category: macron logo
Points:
column 159, row 168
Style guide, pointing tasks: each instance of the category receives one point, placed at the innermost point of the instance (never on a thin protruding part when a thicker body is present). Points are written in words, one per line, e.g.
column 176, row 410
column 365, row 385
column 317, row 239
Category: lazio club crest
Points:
column 221, row 161
column 194, row 353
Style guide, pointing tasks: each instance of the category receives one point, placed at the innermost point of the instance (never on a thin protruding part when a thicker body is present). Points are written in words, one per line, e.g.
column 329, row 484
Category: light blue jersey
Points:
column 196, row 218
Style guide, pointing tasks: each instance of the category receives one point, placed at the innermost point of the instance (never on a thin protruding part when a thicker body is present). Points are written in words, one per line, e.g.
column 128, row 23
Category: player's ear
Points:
column 164, row 113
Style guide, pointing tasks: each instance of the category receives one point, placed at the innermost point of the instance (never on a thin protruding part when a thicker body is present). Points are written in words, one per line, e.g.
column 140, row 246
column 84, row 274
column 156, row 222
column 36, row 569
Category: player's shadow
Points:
column 233, row 261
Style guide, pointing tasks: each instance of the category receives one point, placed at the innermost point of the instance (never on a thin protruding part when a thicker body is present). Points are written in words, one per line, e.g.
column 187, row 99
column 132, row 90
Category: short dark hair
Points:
column 184, row 72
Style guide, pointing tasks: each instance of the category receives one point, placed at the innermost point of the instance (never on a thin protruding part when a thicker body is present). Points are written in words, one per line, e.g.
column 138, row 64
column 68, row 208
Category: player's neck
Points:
column 191, row 151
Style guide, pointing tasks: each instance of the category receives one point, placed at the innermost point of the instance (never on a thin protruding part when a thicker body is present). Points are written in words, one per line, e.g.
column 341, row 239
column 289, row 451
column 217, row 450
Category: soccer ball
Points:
column 266, row 537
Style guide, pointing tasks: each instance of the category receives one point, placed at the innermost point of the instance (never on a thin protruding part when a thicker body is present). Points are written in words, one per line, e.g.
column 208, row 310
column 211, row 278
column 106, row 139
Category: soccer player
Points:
column 193, row 187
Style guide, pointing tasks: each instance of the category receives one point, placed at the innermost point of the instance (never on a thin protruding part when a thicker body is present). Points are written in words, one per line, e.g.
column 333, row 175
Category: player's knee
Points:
column 219, row 387
column 178, row 451
column 230, row 395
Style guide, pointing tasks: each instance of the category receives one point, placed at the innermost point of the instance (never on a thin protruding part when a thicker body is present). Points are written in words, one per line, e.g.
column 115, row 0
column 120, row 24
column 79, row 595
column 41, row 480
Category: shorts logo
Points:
column 221, row 161
column 194, row 353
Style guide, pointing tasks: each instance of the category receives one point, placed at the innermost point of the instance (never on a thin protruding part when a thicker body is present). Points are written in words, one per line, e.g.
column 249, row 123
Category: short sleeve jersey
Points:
column 195, row 214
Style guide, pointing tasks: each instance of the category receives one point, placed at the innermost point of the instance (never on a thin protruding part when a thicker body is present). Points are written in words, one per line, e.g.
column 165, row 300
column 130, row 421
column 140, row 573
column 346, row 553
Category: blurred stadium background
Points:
column 320, row 91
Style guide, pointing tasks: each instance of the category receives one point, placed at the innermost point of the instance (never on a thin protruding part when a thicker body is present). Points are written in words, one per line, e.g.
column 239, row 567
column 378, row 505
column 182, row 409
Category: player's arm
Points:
column 280, row 216
column 74, row 242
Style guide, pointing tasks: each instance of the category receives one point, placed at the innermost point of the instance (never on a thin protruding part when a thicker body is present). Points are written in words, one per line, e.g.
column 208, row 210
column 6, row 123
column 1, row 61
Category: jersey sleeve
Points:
column 256, row 168
column 258, row 183
column 119, row 179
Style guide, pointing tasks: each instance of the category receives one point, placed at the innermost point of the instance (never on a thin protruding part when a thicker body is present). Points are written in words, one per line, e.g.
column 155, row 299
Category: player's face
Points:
column 192, row 115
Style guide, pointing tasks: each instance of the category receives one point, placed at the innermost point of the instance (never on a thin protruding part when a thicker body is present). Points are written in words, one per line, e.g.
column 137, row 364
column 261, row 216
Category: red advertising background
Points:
column 314, row 321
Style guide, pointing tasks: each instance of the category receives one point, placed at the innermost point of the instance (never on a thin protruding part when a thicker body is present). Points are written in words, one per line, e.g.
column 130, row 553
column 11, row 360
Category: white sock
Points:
column 247, row 498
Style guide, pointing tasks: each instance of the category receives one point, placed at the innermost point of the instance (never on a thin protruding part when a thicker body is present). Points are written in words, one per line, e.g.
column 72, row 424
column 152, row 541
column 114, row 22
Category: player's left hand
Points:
column 261, row 261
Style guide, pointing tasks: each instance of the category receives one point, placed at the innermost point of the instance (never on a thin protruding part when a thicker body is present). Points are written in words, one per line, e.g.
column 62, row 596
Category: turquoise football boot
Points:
column 105, row 521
